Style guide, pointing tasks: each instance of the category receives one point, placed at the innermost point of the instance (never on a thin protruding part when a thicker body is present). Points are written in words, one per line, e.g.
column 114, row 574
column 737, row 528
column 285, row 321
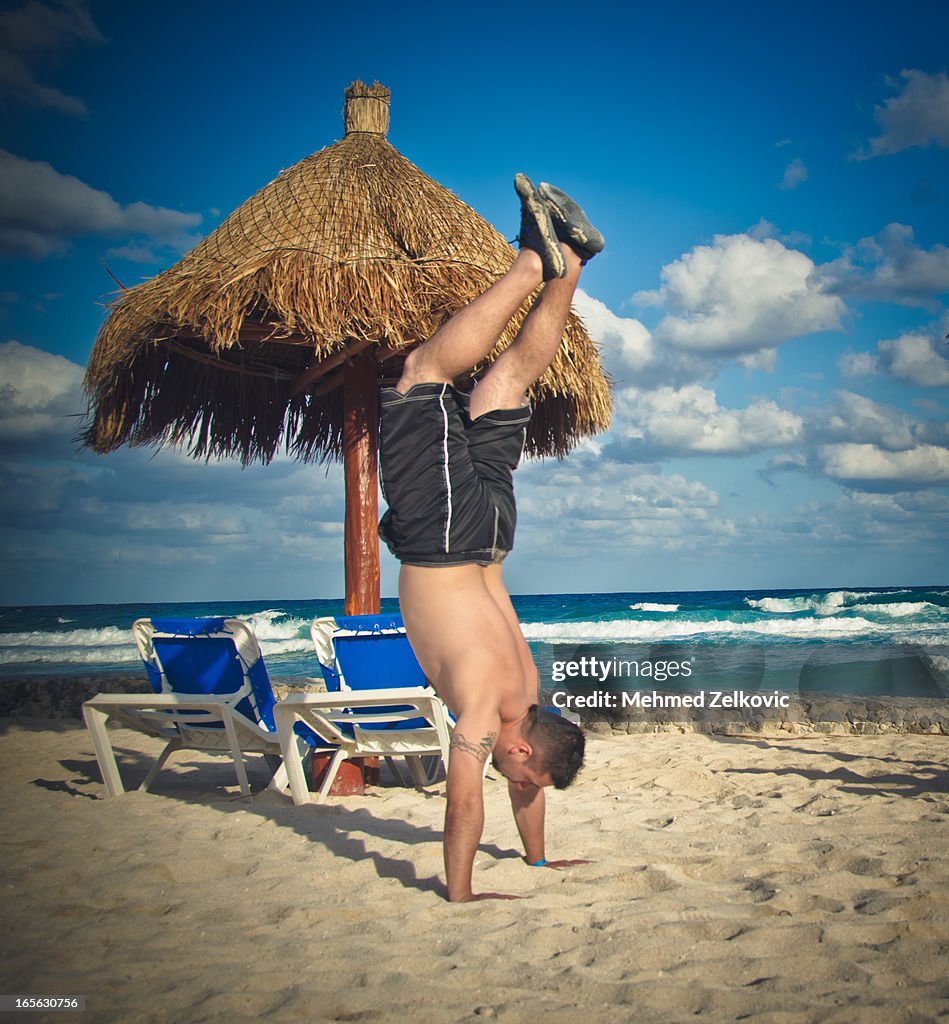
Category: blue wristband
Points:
column 539, row 863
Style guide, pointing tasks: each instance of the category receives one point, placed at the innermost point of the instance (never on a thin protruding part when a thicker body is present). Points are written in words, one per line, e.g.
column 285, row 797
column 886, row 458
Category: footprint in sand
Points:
column 876, row 903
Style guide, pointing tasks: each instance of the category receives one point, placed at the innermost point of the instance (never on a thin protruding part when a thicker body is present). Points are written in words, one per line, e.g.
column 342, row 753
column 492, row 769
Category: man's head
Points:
column 548, row 751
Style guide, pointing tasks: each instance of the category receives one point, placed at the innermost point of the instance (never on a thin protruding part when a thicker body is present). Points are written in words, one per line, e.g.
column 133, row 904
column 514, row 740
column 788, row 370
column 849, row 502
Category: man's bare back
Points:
column 467, row 609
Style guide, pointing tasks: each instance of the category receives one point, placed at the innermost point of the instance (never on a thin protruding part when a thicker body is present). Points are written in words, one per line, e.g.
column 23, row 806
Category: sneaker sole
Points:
column 551, row 257
column 571, row 218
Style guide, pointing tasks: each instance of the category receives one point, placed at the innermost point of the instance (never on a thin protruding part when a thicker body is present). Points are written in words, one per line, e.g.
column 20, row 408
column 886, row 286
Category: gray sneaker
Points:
column 570, row 222
column 537, row 229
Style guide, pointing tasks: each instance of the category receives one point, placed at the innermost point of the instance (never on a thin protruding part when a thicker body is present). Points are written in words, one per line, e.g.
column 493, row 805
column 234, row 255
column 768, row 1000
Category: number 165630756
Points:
column 32, row 1002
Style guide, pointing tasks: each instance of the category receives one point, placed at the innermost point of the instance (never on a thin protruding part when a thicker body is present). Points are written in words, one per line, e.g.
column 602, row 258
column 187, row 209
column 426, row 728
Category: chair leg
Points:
column 281, row 776
column 394, row 768
column 279, row 780
column 417, row 771
column 237, row 756
column 105, row 755
column 424, row 768
column 291, row 748
column 332, row 768
column 431, row 763
column 170, row 748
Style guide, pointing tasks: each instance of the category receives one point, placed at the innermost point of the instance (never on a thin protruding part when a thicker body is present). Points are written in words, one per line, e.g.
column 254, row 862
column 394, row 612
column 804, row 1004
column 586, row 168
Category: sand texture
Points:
column 777, row 881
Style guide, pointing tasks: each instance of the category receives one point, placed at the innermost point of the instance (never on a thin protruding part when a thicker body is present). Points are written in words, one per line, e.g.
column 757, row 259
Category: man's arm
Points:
column 528, row 805
column 471, row 744
column 529, row 809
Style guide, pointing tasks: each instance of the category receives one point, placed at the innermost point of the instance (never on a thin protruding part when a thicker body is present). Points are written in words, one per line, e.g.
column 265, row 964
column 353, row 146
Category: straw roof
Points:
column 238, row 348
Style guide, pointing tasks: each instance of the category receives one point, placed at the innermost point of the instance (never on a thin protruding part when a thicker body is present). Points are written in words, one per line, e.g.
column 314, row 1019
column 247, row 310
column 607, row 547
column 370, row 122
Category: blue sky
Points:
column 772, row 302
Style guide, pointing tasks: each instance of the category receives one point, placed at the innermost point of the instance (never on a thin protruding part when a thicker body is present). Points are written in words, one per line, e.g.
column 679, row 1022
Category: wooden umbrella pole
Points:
column 360, row 468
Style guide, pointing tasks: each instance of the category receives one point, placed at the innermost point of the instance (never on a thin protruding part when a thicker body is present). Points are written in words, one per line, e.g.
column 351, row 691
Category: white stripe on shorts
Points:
column 441, row 402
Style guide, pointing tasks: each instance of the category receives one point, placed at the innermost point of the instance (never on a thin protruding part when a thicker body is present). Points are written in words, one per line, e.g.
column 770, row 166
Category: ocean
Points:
column 890, row 641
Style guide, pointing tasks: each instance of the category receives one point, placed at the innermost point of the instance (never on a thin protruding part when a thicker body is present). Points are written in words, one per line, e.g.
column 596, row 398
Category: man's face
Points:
column 515, row 767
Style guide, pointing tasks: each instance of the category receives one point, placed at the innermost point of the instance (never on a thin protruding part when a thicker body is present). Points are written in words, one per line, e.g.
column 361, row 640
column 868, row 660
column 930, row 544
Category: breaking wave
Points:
column 836, row 601
column 633, row 630
column 114, row 646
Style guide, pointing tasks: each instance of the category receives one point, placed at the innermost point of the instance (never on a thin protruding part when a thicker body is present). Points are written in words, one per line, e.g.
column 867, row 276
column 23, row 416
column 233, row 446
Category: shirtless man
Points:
column 447, row 461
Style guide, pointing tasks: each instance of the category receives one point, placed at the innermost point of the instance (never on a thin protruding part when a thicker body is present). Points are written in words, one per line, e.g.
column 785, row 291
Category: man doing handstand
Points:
column 446, row 464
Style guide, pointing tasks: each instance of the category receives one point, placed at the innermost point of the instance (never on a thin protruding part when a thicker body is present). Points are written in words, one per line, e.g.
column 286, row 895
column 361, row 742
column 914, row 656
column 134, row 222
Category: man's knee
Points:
column 420, row 368
column 411, row 366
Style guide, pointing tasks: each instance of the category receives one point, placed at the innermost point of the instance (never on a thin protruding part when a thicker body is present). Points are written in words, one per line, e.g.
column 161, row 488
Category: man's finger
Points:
column 493, row 896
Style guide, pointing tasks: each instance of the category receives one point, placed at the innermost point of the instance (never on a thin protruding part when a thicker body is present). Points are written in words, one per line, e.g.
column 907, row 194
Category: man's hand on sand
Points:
column 476, row 897
column 558, row 865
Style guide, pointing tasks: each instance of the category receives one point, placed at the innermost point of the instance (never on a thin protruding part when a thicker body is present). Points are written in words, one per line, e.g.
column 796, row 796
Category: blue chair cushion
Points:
column 195, row 660
column 372, row 659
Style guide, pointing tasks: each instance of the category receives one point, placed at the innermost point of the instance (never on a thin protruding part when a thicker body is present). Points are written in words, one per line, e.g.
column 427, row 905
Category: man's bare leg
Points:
column 465, row 339
column 526, row 359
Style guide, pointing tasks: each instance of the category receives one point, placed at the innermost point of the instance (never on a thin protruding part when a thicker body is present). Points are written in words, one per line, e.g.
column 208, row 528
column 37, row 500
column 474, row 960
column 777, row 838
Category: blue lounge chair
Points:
column 378, row 701
column 365, row 652
column 410, row 723
column 212, row 693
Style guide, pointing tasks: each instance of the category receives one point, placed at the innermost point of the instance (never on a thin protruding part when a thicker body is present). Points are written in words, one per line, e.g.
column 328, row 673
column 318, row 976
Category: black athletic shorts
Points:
column 447, row 479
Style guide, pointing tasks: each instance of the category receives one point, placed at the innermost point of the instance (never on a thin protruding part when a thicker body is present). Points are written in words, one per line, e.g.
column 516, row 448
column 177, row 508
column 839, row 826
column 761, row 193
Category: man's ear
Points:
column 521, row 749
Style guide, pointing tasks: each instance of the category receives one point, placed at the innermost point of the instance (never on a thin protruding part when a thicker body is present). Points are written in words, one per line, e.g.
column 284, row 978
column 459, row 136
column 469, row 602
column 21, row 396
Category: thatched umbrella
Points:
column 276, row 329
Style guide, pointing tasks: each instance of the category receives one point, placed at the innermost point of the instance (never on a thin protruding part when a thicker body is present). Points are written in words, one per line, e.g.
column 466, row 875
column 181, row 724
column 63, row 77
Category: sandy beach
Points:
column 795, row 880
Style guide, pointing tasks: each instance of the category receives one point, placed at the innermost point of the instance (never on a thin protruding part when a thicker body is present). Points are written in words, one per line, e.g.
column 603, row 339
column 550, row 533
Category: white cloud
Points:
column 628, row 350
column 741, row 294
column 899, row 505
column 29, row 33
column 919, row 356
column 890, row 267
column 589, row 504
column 690, row 421
column 210, row 521
column 137, row 252
column 917, row 116
column 794, row 174
column 764, row 359
column 612, row 523
column 94, row 522
column 869, row 467
column 858, row 364
column 913, row 357
column 785, row 463
column 41, row 210
column 765, row 229
column 867, row 446
column 622, row 340
column 858, row 419
column 39, row 393
column 908, row 523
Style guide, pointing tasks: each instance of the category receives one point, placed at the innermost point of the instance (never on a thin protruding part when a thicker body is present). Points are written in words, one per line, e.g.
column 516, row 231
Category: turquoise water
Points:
column 885, row 640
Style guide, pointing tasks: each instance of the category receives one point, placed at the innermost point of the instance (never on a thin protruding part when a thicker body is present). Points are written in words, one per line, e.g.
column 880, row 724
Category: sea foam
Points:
column 112, row 645
column 832, row 603
column 632, row 630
